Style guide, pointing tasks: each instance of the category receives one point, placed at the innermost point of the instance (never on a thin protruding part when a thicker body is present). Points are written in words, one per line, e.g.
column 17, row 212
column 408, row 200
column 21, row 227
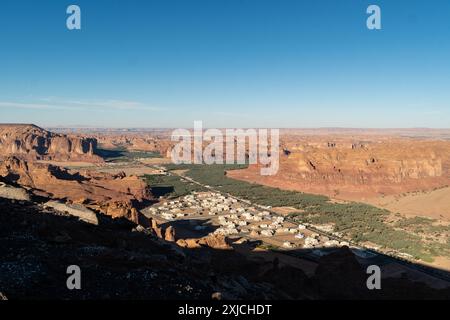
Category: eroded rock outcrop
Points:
column 169, row 234
column 156, row 228
column 75, row 210
column 214, row 241
column 351, row 168
column 13, row 193
column 30, row 142
column 116, row 195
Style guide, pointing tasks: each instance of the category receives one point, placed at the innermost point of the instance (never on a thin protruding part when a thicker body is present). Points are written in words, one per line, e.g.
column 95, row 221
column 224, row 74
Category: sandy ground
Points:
column 433, row 204
column 129, row 169
column 152, row 161
column 136, row 170
column 9, row 192
column 285, row 210
column 70, row 164
column 180, row 172
column 442, row 263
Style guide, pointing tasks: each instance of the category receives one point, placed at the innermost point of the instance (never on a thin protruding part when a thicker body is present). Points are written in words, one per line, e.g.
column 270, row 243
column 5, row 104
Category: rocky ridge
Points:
column 352, row 168
column 116, row 195
column 30, row 142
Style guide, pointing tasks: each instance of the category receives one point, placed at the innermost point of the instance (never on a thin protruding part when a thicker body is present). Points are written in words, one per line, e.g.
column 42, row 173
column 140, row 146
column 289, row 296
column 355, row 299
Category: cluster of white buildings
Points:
column 315, row 240
column 251, row 221
column 234, row 217
column 195, row 204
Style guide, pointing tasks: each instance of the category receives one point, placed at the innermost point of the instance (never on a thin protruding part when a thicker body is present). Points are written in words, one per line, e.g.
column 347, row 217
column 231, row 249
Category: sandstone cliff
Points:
column 116, row 195
column 30, row 142
column 351, row 168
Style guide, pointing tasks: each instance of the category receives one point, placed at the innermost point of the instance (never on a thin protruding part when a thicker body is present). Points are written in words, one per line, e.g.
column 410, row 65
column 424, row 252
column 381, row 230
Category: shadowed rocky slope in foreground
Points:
column 120, row 260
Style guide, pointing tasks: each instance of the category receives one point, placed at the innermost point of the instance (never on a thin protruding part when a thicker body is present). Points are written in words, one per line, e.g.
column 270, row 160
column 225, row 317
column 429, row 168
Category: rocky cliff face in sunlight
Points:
column 116, row 195
column 33, row 143
column 358, row 167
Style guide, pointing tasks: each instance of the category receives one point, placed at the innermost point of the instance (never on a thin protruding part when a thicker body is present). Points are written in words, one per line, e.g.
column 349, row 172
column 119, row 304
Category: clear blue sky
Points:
column 230, row 63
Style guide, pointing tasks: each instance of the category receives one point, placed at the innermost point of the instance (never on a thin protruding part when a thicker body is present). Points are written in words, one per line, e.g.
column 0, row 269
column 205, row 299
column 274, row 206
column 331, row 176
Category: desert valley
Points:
column 112, row 201
column 229, row 158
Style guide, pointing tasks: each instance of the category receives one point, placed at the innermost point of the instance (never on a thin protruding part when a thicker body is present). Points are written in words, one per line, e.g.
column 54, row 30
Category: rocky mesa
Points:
column 31, row 142
column 352, row 168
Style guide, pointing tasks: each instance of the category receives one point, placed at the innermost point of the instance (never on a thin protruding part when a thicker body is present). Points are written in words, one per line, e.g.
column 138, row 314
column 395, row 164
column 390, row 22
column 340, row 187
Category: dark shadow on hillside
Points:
column 160, row 191
column 119, row 262
column 253, row 244
column 11, row 179
column 108, row 154
column 62, row 174
column 191, row 228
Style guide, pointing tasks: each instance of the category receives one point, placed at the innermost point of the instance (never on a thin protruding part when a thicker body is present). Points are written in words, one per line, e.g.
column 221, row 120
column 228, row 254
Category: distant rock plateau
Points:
column 31, row 142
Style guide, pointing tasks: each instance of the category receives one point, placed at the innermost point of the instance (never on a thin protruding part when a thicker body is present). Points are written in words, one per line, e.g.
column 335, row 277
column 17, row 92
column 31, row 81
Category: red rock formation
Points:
column 115, row 195
column 350, row 167
column 211, row 241
column 33, row 143
column 135, row 142
column 156, row 228
column 169, row 234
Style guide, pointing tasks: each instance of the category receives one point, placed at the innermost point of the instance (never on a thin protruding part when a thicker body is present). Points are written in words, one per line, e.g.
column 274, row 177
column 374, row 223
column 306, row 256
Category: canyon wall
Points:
column 116, row 195
column 30, row 142
column 352, row 168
